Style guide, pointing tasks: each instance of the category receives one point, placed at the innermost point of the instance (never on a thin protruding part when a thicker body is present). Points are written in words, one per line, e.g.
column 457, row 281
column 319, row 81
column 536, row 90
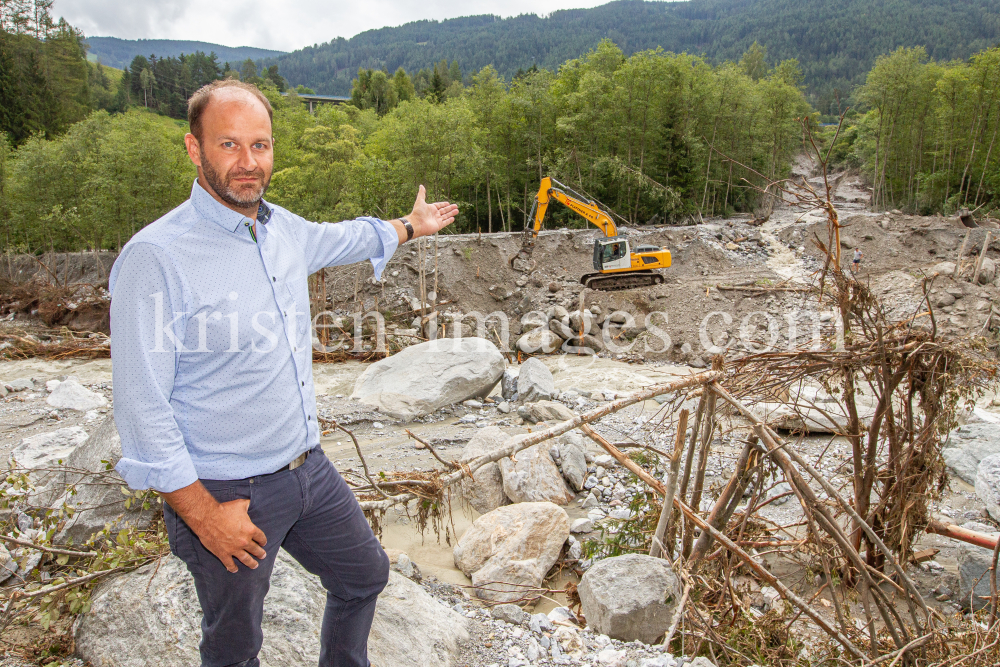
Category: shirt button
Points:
column 310, row 418
column 303, row 383
column 273, row 279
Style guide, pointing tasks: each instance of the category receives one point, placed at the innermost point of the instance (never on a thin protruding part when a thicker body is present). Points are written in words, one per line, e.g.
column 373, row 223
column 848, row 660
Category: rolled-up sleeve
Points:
column 347, row 242
column 147, row 330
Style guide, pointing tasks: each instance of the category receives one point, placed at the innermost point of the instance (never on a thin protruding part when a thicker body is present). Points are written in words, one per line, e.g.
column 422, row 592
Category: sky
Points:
column 284, row 25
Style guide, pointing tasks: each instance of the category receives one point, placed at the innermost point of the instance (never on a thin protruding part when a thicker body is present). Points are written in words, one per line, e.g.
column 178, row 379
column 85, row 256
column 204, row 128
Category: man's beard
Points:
column 243, row 196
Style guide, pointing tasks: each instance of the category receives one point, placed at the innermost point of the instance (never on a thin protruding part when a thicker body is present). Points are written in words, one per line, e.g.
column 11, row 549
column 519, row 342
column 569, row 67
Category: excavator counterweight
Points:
column 618, row 267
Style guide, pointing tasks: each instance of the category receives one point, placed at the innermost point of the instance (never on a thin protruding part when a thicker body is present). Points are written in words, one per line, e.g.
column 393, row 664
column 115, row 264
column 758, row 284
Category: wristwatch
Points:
column 408, row 227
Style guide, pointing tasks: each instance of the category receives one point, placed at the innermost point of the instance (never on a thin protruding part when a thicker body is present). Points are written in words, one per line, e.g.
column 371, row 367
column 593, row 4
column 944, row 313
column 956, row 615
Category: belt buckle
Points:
column 299, row 460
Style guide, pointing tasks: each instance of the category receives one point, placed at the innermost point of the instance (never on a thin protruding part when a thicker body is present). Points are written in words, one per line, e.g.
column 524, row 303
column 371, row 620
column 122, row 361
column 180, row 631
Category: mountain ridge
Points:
column 117, row 52
column 835, row 41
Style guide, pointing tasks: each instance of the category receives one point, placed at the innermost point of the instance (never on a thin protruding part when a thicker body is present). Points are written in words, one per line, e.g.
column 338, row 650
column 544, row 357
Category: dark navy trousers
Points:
column 311, row 513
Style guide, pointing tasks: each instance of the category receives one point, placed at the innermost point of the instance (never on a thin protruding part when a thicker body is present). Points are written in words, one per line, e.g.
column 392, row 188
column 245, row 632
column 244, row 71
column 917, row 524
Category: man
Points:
column 214, row 397
column 857, row 259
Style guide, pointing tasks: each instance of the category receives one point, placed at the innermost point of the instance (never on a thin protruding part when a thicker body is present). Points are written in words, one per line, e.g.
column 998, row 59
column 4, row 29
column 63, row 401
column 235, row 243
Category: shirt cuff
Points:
column 164, row 476
column 390, row 241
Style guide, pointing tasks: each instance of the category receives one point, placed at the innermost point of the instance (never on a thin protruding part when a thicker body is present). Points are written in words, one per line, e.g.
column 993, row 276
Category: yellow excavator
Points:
column 618, row 266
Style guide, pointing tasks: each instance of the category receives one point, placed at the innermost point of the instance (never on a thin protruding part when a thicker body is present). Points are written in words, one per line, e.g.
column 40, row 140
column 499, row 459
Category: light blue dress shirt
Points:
column 211, row 340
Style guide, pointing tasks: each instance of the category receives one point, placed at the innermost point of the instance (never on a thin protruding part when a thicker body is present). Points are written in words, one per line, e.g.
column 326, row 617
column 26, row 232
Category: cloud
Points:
column 285, row 25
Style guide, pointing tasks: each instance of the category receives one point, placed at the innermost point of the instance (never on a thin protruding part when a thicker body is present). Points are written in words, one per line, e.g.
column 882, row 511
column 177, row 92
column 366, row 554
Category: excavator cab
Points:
column 611, row 253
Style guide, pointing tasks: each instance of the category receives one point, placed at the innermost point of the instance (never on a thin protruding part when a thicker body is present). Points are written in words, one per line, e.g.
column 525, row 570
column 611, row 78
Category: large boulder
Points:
column 484, row 491
column 534, row 381
column 43, row 456
column 512, row 547
column 152, row 617
column 631, row 597
column 974, row 575
column 426, row 377
column 101, row 504
column 539, row 341
column 71, row 395
column 988, row 484
column 531, row 476
column 69, row 467
column 967, row 446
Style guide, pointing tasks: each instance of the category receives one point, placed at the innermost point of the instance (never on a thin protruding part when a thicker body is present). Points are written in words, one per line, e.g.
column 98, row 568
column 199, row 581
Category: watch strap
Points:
column 409, row 229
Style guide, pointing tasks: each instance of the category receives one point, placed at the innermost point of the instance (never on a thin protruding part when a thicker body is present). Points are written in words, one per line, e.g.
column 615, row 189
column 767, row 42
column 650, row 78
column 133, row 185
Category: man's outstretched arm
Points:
column 368, row 238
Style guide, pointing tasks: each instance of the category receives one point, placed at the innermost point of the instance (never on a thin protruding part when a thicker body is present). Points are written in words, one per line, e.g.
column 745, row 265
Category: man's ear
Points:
column 193, row 148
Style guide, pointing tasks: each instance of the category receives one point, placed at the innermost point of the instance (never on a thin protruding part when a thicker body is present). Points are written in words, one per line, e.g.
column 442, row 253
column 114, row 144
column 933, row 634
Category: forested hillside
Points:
column 115, row 52
column 635, row 132
column 835, row 41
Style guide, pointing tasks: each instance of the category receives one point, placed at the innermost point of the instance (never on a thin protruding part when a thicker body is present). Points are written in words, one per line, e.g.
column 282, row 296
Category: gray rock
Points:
column 400, row 562
column 71, row 395
column 543, row 411
column 557, row 313
column 987, row 271
column 630, row 597
column 424, row 378
column 591, row 500
column 46, row 450
column 586, row 320
column 533, row 477
column 533, row 320
column 539, row 623
column 534, row 381
column 516, row 544
column 561, row 330
column 510, row 613
column 539, row 341
column 20, row 384
column 573, row 464
column 485, row 491
column 988, row 484
column 943, row 299
column 96, row 505
column 587, row 345
column 152, row 617
column 503, row 407
column 581, row 525
column 508, row 384
column 974, row 575
column 967, row 446
column 3, row 391
column 944, row 268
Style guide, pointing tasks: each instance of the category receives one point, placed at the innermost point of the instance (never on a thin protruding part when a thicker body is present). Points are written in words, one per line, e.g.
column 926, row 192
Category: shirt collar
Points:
column 210, row 209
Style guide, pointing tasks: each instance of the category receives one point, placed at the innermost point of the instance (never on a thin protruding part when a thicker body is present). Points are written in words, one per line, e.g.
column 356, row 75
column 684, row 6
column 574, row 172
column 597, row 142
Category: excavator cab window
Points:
column 613, row 251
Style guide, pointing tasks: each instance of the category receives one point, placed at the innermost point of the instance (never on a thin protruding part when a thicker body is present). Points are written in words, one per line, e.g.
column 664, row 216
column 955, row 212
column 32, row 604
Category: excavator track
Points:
column 620, row 281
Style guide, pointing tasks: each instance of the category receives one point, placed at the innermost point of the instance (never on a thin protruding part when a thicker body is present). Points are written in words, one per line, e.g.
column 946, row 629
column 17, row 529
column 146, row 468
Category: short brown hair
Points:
column 199, row 101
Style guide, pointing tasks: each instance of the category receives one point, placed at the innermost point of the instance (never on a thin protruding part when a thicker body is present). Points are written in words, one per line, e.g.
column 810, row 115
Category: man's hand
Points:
column 225, row 529
column 427, row 218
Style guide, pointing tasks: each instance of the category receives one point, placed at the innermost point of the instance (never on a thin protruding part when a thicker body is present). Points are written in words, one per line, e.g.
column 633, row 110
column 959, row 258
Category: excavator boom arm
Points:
column 550, row 189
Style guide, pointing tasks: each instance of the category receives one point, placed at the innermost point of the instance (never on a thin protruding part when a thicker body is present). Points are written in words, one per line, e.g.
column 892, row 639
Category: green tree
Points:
column 754, row 62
